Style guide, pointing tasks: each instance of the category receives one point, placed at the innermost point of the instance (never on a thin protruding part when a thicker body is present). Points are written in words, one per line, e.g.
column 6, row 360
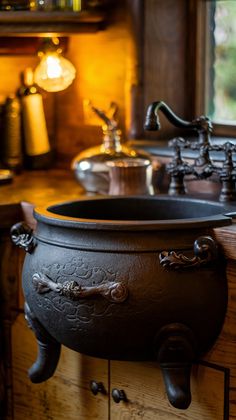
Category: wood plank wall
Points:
column 165, row 58
column 102, row 62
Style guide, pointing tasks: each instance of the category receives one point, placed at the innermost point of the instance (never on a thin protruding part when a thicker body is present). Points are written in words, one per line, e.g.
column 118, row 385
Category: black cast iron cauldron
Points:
column 125, row 278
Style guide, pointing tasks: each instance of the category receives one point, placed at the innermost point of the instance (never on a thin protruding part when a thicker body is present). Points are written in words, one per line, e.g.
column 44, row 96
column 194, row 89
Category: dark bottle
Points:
column 73, row 5
column 11, row 140
column 36, row 144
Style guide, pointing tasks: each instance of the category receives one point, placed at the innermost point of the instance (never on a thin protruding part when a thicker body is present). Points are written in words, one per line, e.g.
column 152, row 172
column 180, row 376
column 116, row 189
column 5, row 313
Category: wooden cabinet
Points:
column 146, row 399
column 68, row 393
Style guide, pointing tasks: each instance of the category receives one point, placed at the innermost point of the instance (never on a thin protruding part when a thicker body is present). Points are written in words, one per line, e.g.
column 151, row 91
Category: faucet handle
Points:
column 228, row 166
column 178, row 142
column 203, row 123
column 227, row 174
column 177, row 168
column 225, row 147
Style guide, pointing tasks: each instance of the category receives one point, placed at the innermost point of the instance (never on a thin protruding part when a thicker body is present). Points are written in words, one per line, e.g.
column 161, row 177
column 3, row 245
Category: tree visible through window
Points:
column 221, row 86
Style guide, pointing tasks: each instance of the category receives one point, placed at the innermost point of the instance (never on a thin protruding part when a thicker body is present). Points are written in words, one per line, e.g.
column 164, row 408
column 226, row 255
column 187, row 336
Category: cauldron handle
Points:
column 48, row 350
column 175, row 343
column 205, row 251
column 115, row 292
column 22, row 236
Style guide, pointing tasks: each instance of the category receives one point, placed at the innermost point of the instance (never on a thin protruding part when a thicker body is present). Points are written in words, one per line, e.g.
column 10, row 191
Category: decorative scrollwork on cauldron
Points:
column 115, row 292
column 205, row 251
column 22, row 236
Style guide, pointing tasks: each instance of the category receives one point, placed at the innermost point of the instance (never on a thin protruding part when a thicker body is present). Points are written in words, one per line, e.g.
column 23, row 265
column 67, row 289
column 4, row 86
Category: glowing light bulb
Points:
column 54, row 72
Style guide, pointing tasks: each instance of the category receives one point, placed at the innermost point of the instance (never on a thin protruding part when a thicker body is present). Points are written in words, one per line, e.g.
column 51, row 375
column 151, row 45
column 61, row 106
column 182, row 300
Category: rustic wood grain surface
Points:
column 67, row 394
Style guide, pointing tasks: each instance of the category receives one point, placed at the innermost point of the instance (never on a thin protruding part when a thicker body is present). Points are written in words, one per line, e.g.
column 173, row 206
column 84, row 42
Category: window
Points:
column 216, row 62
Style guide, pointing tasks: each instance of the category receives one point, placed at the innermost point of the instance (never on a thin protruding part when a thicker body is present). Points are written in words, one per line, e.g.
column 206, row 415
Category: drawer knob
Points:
column 97, row 387
column 118, row 395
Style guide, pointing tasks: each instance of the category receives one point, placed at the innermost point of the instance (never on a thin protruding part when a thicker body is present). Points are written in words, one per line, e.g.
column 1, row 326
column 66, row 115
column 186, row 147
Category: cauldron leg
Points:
column 48, row 350
column 176, row 354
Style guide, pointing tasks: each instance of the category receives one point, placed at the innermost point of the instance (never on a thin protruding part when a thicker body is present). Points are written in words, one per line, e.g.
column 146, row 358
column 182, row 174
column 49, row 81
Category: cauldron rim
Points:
column 45, row 214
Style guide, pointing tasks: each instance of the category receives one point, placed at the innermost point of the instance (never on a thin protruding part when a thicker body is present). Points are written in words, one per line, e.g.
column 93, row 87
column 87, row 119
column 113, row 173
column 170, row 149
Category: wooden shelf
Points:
column 27, row 23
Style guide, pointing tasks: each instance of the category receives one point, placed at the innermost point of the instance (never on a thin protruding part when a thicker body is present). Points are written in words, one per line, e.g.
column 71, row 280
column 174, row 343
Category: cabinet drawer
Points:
column 144, row 389
column 67, row 395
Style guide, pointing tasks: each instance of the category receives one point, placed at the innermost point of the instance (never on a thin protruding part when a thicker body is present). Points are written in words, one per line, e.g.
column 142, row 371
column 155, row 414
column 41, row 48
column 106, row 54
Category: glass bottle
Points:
column 37, row 150
column 90, row 166
column 64, row 4
column 11, row 140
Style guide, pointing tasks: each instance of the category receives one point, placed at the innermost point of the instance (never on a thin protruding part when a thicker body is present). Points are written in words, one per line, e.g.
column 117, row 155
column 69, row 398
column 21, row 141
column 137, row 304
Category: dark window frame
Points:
column 199, row 61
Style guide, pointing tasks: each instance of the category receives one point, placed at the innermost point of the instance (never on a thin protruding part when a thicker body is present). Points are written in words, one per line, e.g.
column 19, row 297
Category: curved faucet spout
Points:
column 152, row 123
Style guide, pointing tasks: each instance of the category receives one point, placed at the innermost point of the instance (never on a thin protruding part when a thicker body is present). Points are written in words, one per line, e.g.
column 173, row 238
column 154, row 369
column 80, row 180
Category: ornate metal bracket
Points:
column 205, row 250
column 115, row 292
column 22, row 236
column 227, row 172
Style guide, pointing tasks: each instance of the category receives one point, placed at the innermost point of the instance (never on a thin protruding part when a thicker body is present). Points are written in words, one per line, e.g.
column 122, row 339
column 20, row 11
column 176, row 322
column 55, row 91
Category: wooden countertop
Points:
column 42, row 187
column 226, row 236
column 37, row 188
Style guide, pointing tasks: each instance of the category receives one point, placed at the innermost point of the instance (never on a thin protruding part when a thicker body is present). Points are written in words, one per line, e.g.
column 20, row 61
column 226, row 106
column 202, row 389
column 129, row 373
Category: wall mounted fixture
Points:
column 54, row 72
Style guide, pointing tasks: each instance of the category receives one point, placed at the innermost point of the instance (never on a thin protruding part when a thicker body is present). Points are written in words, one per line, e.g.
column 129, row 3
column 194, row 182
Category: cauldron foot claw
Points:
column 176, row 352
column 177, row 383
column 48, row 350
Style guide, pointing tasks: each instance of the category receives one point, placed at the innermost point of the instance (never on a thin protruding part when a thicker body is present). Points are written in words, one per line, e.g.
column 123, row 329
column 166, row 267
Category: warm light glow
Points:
column 54, row 72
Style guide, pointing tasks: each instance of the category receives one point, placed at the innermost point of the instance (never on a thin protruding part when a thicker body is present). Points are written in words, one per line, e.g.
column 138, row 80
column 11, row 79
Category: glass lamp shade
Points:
column 54, row 72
